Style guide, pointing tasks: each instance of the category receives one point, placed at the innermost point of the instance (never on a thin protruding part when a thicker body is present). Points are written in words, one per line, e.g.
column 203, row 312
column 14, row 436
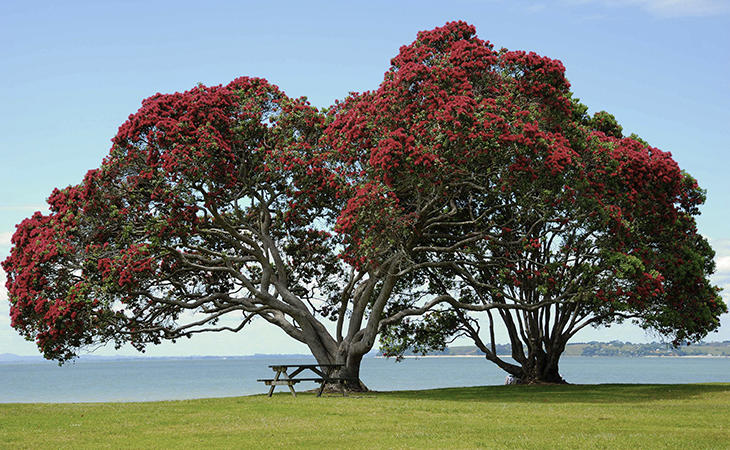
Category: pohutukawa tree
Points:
column 214, row 207
column 541, row 217
column 189, row 225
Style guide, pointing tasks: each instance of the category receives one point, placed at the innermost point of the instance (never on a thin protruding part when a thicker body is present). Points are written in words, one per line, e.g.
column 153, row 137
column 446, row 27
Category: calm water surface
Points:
column 171, row 379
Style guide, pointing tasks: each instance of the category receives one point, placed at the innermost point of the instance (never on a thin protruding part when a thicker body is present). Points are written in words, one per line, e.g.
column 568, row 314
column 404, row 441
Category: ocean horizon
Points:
column 133, row 379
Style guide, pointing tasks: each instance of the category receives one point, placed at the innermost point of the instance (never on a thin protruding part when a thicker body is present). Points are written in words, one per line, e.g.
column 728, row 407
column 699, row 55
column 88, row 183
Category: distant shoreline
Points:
column 18, row 359
column 563, row 356
column 683, row 356
column 437, row 356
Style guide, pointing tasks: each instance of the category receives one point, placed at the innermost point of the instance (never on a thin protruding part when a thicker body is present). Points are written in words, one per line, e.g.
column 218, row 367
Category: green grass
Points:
column 591, row 416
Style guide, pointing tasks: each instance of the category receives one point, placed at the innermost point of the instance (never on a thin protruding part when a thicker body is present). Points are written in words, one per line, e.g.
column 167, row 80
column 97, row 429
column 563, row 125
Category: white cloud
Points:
column 669, row 8
column 5, row 238
column 723, row 265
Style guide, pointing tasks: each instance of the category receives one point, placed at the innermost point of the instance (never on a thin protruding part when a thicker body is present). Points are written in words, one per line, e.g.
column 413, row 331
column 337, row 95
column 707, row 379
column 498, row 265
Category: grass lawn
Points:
column 591, row 416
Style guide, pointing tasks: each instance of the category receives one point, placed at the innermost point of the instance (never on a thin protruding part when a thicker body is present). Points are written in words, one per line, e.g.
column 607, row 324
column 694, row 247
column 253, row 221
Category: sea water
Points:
column 176, row 379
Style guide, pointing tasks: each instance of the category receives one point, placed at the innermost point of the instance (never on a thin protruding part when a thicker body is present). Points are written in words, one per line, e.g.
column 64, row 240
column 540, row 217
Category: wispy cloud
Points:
column 669, row 8
column 5, row 238
column 30, row 208
column 675, row 8
column 4, row 305
column 3, row 293
column 536, row 7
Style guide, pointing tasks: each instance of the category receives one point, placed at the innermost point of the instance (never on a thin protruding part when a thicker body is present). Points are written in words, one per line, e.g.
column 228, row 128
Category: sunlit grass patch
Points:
column 571, row 416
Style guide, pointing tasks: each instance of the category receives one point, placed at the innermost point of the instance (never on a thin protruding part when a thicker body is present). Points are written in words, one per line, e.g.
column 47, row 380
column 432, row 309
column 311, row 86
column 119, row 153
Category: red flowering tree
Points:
column 508, row 200
column 214, row 207
column 175, row 230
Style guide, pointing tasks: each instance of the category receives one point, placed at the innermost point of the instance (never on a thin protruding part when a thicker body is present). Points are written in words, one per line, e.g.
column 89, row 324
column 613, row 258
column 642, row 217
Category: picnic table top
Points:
column 274, row 366
column 323, row 370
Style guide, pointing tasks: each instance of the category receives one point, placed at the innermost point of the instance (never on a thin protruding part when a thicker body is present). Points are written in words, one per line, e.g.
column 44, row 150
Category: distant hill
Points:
column 10, row 357
column 13, row 358
column 593, row 348
column 613, row 348
column 619, row 348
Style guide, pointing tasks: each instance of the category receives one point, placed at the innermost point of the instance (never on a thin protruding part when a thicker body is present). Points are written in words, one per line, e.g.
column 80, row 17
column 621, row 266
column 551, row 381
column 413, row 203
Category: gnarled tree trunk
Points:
column 351, row 373
column 541, row 367
column 536, row 360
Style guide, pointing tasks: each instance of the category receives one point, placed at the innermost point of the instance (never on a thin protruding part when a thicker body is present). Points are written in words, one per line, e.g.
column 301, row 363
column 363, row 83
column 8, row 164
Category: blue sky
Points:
column 71, row 72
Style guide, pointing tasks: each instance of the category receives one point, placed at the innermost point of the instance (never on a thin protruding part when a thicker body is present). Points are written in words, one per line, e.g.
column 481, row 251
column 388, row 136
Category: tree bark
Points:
column 351, row 373
column 541, row 367
column 343, row 354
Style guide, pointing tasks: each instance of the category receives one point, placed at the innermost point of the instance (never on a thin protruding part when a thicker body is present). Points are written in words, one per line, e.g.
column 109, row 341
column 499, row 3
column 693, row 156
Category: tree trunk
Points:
column 541, row 367
column 351, row 373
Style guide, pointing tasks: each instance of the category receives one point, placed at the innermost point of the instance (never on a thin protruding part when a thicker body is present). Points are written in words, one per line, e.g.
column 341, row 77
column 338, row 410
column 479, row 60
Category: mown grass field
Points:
column 591, row 416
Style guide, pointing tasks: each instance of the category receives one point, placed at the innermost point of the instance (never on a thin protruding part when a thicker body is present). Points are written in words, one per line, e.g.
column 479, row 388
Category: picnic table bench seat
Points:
column 290, row 380
column 284, row 381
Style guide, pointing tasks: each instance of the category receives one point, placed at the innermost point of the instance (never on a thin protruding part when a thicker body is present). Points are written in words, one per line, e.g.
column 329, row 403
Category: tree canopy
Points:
column 572, row 223
column 215, row 206
column 470, row 181
column 180, row 216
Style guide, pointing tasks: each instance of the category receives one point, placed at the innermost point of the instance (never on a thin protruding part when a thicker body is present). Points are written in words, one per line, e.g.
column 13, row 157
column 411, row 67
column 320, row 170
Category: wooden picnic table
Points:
column 323, row 372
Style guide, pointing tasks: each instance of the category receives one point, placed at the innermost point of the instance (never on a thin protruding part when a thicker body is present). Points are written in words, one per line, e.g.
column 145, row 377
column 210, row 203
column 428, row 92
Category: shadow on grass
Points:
column 597, row 393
